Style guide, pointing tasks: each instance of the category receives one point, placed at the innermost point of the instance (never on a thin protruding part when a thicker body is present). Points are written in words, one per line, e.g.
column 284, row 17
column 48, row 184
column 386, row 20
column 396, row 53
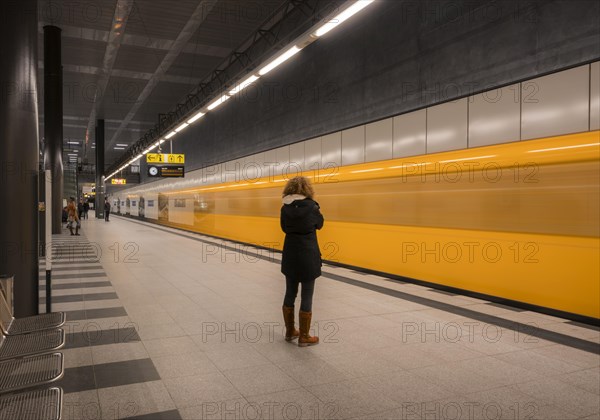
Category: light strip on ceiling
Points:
column 171, row 134
column 196, row 117
column 243, row 85
column 279, row 60
column 218, row 102
column 181, row 127
column 343, row 16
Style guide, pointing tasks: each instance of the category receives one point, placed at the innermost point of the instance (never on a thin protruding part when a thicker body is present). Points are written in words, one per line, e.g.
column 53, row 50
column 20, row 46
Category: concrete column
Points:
column 19, row 152
column 99, row 169
column 53, row 120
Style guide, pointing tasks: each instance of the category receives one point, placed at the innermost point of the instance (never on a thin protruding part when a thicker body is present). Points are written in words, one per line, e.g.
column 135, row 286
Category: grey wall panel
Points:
column 270, row 163
column 410, row 134
column 403, row 55
column 353, row 145
column 379, row 140
column 447, row 126
column 595, row 96
column 331, row 150
column 495, row 116
column 312, row 155
column 556, row 104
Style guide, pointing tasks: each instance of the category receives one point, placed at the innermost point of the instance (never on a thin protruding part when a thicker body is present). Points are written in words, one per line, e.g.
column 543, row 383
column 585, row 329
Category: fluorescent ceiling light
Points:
column 119, row 148
column 171, row 134
column 73, row 142
column 72, row 154
column 181, row 127
column 283, row 57
column 121, row 144
column 346, row 14
column 218, row 102
column 243, row 85
column 195, row 117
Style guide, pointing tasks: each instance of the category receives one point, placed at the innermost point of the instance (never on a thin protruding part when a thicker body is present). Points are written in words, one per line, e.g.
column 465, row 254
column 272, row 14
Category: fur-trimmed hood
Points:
column 289, row 199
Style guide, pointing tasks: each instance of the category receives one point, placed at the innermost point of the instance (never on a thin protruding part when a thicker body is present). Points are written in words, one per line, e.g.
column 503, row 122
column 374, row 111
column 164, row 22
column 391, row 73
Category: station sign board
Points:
column 118, row 181
column 174, row 158
column 166, row 171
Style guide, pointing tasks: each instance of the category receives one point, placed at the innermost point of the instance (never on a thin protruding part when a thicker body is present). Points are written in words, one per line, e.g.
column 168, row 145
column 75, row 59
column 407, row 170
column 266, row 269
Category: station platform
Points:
column 166, row 324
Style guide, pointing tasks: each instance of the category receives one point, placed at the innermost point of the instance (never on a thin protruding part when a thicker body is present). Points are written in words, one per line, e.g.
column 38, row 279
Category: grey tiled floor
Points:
column 208, row 335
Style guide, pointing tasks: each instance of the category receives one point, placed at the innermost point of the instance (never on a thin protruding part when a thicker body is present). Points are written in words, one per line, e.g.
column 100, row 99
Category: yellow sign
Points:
column 165, row 158
column 118, row 181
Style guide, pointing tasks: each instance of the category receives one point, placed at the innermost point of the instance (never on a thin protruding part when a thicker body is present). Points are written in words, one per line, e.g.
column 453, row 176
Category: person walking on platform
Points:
column 301, row 261
column 80, row 208
column 73, row 217
column 86, row 209
column 106, row 210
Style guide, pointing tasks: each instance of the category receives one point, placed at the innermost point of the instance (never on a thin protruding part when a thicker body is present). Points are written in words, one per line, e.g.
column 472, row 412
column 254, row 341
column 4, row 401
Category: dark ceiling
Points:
column 126, row 61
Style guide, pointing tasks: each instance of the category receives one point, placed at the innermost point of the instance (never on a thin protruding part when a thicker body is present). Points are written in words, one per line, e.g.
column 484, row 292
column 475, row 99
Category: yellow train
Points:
column 517, row 221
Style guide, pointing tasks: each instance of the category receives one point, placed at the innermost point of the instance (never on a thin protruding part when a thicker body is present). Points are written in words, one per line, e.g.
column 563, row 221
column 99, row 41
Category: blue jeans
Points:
column 291, row 291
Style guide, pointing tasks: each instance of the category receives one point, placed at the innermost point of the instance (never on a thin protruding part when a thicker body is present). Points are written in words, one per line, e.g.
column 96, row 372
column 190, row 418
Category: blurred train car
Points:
column 517, row 221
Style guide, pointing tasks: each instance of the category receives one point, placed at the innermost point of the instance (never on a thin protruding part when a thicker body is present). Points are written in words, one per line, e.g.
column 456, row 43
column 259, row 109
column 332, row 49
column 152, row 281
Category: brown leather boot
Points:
column 305, row 338
column 290, row 330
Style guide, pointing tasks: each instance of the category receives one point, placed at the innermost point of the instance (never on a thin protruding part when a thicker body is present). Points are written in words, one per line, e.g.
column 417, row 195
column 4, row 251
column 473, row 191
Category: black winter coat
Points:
column 301, row 256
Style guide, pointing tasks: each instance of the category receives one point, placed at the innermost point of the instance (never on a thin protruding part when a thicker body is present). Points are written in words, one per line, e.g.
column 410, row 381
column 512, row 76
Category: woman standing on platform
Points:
column 301, row 262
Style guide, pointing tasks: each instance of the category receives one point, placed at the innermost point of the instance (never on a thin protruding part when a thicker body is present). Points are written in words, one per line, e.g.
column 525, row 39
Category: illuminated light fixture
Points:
column 151, row 148
column 72, row 154
column 171, row 134
column 564, row 147
column 73, row 142
column 121, row 144
column 195, row 117
column 218, row 102
column 463, row 159
column 345, row 15
column 283, row 57
column 243, row 85
column 181, row 127
column 119, row 148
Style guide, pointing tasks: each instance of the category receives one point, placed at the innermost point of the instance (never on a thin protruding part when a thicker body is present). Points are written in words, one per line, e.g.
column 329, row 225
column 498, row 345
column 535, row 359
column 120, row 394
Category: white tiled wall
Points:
column 556, row 104
column 410, row 134
column 379, row 140
column 595, row 96
column 560, row 103
column 447, row 126
column 495, row 116
column 353, row 145
column 331, row 150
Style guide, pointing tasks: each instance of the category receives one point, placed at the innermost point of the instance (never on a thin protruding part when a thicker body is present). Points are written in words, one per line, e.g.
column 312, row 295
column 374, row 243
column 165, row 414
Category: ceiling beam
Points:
column 190, row 28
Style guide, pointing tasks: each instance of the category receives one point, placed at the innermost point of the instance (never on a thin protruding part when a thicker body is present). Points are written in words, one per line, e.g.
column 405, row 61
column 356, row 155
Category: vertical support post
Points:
column 53, row 120
column 19, row 152
column 48, row 241
column 100, row 169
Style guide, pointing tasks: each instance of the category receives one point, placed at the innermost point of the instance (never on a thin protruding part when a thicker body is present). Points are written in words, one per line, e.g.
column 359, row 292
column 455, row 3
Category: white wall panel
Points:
column 283, row 159
column 495, row 116
column 270, row 162
column 134, row 205
column 447, row 126
column 556, row 104
column 253, row 167
column 230, row 170
column 410, row 133
column 312, row 155
column 353, row 145
column 296, row 159
column 379, row 140
column 595, row 96
column 331, row 150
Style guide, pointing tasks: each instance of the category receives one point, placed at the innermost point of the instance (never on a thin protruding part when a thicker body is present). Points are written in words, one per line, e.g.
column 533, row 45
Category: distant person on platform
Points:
column 80, row 208
column 301, row 261
column 86, row 209
column 106, row 210
column 73, row 217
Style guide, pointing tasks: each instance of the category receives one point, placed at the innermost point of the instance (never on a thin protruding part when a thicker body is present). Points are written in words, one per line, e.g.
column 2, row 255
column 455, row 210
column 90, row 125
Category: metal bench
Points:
column 28, row 344
column 15, row 326
column 30, row 371
column 40, row 404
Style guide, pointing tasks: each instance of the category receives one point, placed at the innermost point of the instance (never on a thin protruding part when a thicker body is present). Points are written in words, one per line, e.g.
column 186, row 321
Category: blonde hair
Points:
column 299, row 185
